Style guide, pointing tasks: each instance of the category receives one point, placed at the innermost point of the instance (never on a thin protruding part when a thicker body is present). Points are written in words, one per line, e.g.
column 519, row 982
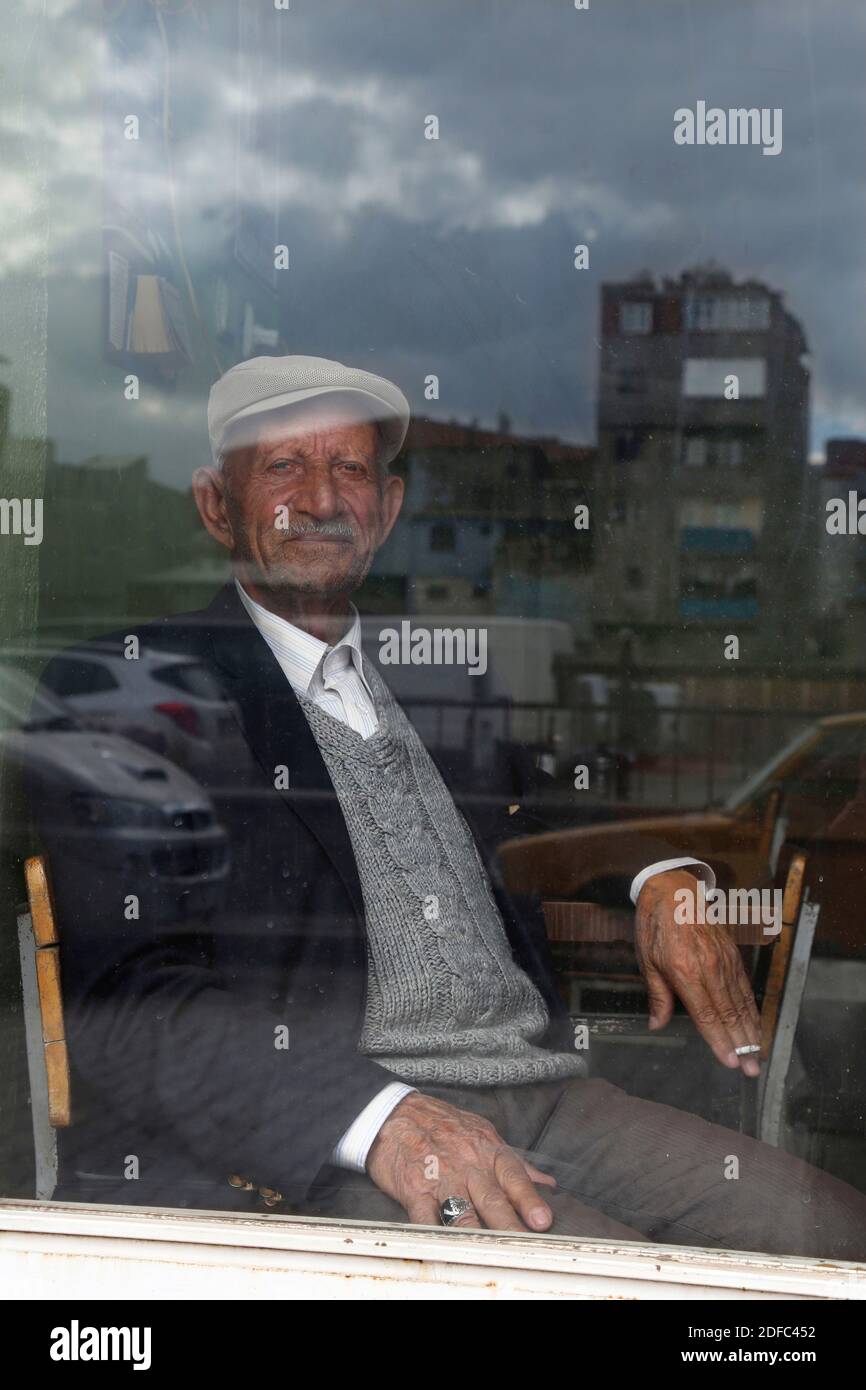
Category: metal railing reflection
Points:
column 680, row 757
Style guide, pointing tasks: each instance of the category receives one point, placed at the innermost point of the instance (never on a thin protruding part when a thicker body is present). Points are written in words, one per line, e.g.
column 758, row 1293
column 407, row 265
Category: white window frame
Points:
column 57, row 1251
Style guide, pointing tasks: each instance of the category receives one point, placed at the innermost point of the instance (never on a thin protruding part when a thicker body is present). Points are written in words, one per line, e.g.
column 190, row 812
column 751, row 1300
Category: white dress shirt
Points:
column 333, row 678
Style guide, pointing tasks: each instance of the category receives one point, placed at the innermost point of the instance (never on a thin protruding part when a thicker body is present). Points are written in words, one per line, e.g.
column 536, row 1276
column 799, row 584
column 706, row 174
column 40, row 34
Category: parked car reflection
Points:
column 802, row 792
column 111, row 804
column 167, row 701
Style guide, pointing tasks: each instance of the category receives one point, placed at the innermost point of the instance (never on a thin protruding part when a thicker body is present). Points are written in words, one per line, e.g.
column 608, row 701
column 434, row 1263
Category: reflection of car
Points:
column 167, row 701
column 101, row 800
column 799, row 794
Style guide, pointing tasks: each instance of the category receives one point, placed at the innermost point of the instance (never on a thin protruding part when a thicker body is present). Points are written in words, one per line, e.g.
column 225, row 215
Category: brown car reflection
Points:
column 812, row 793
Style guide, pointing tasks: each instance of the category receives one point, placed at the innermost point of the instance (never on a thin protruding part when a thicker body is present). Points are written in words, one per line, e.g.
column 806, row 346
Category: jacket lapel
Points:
column 274, row 726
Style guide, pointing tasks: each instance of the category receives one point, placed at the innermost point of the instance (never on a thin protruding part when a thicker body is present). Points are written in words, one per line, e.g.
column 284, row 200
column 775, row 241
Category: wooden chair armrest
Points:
column 47, row 961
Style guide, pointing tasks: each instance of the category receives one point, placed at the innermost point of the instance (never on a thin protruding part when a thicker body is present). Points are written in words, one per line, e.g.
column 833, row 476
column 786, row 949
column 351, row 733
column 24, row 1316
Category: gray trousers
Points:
column 631, row 1169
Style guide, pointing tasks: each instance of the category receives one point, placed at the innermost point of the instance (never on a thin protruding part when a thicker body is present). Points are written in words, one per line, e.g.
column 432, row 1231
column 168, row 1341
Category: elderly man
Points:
column 372, row 1028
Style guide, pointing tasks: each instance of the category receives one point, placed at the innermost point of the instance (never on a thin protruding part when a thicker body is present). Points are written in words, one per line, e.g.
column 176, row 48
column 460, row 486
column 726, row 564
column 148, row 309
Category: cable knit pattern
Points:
column 446, row 1003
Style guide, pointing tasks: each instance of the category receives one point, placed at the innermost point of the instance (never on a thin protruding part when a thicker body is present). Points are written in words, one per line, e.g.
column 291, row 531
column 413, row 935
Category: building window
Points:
column 713, row 588
column 630, row 381
column 743, row 512
column 627, row 446
column 717, row 540
column 711, row 377
column 709, row 451
column 695, row 452
column 636, row 316
column 443, row 536
column 729, row 313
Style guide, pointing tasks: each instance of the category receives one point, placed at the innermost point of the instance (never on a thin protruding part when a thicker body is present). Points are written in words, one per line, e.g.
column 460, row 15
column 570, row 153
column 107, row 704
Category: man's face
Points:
column 304, row 507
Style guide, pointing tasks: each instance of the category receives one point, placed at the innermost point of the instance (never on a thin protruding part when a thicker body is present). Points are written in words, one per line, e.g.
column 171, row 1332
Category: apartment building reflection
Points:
column 488, row 527
column 840, row 589
column 702, row 478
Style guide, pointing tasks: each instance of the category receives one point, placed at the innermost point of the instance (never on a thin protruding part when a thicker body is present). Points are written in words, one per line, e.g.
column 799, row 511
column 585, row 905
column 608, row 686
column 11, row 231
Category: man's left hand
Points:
column 702, row 965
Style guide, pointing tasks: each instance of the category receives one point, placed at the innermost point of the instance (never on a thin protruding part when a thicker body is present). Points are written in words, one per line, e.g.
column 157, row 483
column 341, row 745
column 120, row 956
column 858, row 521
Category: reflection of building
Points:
column 488, row 527
column 701, row 492
column 840, row 588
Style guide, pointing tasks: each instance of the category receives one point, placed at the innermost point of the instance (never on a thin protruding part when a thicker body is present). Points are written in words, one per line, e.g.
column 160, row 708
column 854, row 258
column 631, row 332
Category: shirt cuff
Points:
column 356, row 1143
column 662, row 867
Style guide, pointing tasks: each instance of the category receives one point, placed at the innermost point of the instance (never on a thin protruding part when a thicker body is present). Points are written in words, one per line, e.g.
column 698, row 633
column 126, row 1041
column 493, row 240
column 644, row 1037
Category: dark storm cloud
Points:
column 569, row 117
column 455, row 257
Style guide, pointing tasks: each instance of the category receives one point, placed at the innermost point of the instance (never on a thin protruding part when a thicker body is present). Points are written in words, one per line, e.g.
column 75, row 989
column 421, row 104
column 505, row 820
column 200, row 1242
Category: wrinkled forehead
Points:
column 351, row 419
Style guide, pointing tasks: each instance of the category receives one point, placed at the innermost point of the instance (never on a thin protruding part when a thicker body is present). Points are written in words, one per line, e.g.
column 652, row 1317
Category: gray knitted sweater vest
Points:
column 446, row 1003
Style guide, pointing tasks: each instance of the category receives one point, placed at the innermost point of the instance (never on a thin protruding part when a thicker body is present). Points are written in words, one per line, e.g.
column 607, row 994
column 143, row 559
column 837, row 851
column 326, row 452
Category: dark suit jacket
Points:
column 171, row 1018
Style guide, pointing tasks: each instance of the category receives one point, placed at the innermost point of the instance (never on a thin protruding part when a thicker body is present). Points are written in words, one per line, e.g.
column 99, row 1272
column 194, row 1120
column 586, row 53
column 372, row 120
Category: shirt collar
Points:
column 301, row 655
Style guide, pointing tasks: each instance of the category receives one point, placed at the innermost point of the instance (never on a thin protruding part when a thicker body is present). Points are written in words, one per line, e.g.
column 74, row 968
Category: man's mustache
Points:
column 336, row 530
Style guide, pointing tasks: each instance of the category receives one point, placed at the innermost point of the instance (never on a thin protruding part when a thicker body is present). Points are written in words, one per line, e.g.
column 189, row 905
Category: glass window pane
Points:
column 432, row 605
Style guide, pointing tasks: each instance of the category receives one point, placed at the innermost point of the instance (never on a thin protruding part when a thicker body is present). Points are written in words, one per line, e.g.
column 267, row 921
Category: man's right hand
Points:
column 428, row 1150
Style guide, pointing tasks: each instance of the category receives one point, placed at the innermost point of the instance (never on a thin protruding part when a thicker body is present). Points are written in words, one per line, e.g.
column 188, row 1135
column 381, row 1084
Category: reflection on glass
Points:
column 383, row 710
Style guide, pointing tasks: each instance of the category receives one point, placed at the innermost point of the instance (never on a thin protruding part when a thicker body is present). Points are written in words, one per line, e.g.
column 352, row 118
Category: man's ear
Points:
column 208, row 489
column 392, row 501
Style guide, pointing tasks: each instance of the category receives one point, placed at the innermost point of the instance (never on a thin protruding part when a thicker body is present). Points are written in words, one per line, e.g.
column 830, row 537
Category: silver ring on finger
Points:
column 452, row 1209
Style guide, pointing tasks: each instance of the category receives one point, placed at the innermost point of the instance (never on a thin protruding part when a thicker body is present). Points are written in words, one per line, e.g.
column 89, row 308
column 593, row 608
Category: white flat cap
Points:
column 271, row 383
